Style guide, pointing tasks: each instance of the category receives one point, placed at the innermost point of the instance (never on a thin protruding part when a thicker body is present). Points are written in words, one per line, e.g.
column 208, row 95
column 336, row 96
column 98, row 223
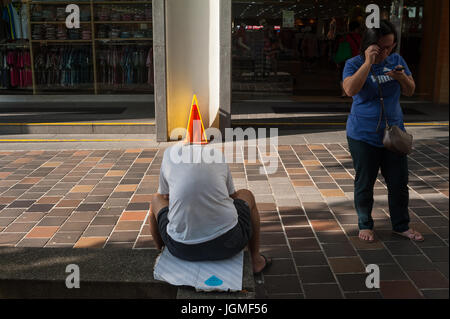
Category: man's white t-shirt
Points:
column 200, row 206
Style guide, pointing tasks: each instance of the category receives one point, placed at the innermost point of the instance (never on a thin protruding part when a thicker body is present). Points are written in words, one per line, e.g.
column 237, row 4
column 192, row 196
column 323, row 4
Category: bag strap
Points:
column 383, row 110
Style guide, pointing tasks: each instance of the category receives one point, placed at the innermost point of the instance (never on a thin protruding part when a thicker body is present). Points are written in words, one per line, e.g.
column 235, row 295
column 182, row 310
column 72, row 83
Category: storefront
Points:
column 110, row 53
column 222, row 50
column 289, row 48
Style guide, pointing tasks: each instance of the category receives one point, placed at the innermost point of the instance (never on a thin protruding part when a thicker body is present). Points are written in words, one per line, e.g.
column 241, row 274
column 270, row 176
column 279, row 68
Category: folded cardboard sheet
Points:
column 222, row 275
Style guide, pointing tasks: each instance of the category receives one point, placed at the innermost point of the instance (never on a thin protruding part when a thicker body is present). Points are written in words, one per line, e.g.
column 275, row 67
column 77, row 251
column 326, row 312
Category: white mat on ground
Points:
column 223, row 275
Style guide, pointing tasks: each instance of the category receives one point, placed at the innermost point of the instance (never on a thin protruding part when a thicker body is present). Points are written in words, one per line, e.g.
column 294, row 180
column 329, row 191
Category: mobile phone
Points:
column 400, row 68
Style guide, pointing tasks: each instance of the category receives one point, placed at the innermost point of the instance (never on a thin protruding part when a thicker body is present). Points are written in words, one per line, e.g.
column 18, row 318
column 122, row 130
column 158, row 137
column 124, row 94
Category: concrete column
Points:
column 197, row 60
column 225, row 65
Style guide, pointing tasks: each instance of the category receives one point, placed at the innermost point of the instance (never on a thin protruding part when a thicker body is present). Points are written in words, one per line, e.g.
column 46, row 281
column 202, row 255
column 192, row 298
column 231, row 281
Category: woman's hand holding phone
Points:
column 398, row 73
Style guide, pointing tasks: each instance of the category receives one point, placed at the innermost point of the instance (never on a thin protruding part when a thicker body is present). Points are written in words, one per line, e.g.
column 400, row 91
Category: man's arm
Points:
column 163, row 188
column 230, row 184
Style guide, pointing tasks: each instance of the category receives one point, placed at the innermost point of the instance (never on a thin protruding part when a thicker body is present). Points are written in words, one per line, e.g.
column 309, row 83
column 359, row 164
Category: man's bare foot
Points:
column 260, row 264
column 367, row 235
column 412, row 234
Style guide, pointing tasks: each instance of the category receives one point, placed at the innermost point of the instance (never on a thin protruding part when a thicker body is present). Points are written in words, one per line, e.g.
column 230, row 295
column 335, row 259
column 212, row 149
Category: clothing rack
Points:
column 14, row 46
column 91, row 25
column 125, row 44
column 15, row 68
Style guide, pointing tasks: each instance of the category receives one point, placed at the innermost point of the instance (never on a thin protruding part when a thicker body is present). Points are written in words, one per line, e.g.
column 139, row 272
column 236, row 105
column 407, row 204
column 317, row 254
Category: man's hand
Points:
column 234, row 196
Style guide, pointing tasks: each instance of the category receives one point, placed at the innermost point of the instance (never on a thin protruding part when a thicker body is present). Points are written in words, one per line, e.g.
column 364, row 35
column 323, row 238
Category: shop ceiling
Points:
column 305, row 8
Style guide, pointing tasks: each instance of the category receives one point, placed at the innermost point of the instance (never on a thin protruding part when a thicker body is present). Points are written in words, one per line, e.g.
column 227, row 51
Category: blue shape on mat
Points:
column 213, row 282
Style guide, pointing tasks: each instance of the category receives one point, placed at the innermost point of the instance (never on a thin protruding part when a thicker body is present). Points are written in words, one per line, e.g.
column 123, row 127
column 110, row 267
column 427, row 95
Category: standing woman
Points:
column 378, row 65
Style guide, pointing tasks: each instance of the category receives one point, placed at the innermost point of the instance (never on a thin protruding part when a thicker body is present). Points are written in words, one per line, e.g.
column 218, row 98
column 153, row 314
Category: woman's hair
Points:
column 372, row 36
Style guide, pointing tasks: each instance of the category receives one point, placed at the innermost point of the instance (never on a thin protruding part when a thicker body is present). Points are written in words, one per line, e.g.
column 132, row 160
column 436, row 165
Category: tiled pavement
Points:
column 101, row 198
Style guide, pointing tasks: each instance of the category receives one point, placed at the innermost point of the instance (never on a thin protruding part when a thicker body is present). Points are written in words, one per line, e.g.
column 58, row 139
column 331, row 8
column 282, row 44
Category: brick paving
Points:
column 101, row 199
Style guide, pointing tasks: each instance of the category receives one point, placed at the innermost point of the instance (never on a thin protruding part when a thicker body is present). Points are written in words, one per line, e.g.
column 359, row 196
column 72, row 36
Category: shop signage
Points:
column 73, row 19
column 373, row 19
column 288, row 19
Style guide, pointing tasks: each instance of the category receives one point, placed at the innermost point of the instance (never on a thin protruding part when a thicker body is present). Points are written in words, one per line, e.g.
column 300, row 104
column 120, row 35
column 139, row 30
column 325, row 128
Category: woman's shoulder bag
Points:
column 395, row 139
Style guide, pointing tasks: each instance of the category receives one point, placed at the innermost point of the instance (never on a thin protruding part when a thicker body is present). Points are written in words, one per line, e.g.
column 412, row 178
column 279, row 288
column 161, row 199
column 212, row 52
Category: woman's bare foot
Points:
column 367, row 235
column 412, row 234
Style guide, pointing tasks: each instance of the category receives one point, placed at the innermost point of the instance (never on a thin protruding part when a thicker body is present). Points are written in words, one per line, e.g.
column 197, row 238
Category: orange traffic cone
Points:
column 195, row 129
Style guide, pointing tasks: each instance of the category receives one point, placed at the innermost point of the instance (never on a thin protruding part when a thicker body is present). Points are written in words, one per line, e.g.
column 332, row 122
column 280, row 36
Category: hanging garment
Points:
column 17, row 22
column 6, row 16
column 125, row 67
column 11, row 16
column 4, row 70
column 24, row 22
column 65, row 67
column 15, row 69
column 5, row 33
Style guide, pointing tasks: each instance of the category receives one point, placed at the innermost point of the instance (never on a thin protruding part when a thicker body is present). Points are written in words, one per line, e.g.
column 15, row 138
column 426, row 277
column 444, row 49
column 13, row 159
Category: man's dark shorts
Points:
column 223, row 247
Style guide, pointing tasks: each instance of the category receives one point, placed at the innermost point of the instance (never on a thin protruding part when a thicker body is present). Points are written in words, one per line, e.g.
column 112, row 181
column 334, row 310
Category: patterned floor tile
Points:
column 101, row 199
